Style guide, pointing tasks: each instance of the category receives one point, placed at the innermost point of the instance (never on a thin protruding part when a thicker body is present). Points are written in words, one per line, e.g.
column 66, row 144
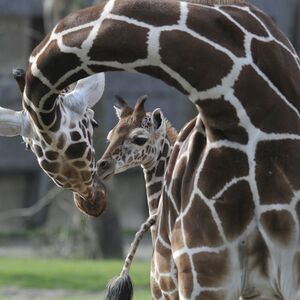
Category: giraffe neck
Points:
column 113, row 36
column 222, row 56
column 154, row 173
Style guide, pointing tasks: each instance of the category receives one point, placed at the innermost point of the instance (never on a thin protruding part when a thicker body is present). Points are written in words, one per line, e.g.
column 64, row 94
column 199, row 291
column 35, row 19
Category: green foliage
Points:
column 84, row 275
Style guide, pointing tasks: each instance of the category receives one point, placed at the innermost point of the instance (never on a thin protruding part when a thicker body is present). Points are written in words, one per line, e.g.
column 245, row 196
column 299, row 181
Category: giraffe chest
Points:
column 269, row 270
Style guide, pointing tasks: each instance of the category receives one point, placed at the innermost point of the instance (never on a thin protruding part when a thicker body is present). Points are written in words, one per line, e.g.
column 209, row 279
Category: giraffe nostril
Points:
column 104, row 164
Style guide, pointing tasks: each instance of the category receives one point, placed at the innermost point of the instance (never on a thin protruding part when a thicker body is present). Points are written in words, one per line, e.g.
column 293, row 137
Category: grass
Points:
column 83, row 275
column 138, row 295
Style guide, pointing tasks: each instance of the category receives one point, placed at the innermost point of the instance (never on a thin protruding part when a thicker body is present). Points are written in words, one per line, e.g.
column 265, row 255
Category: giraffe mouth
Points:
column 105, row 169
column 95, row 204
column 106, row 177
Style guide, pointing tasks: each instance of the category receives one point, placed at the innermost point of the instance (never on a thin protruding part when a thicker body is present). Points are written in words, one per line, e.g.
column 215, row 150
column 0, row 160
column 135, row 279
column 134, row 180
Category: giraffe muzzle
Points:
column 105, row 169
column 96, row 203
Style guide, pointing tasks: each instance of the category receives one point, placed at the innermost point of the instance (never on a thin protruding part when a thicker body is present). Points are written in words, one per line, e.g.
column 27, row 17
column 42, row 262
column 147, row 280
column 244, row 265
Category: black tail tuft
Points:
column 120, row 288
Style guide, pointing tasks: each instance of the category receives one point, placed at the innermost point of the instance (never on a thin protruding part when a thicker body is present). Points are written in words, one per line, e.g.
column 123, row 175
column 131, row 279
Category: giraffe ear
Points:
column 86, row 93
column 14, row 123
column 122, row 108
column 118, row 111
column 158, row 119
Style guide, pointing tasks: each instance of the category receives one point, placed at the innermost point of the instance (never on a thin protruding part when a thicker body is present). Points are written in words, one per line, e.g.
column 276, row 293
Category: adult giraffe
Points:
column 228, row 221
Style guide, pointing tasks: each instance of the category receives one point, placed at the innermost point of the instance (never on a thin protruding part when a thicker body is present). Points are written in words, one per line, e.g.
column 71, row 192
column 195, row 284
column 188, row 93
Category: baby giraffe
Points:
column 139, row 139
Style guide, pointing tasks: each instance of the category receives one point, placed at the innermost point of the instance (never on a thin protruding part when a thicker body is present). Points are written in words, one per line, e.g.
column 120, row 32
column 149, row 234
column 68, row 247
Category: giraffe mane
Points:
column 171, row 132
column 216, row 2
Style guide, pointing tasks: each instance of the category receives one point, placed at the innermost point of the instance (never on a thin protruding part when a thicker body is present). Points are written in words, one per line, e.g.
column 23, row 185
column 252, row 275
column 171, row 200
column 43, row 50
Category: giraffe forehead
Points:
column 146, row 122
column 138, row 132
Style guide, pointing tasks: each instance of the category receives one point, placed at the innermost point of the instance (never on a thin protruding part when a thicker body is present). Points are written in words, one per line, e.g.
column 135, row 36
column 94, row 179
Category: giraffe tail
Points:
column 120, row 288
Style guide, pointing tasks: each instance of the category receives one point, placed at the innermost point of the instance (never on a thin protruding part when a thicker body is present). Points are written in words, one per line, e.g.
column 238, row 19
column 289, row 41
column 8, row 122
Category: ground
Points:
column 12, row 293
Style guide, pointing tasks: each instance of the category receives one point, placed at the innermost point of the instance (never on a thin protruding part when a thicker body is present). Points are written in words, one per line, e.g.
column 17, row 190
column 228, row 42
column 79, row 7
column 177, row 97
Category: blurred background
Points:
column 38, row 221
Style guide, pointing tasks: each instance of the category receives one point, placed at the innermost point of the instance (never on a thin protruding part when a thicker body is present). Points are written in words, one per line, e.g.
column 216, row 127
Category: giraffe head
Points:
column 135, row 140
column 65, row 151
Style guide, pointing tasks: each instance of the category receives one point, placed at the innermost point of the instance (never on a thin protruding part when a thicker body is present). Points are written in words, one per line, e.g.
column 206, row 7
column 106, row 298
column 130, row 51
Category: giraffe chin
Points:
column 95, row 205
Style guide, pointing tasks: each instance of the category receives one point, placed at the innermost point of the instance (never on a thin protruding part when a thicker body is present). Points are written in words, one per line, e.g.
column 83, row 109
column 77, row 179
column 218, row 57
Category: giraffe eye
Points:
column 139, row 141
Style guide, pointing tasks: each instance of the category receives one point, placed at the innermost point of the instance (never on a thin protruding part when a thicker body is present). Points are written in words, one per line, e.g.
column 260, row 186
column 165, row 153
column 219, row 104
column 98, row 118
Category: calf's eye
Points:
column 139, row 141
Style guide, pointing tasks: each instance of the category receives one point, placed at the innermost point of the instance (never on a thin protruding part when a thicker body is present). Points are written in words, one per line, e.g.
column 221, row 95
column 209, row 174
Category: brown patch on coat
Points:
column 235, row 209
column 65, row 61
column 298, row 209
column 76, row 150
column 154, row 188
column 47, row 138
column 166, row 283
column 277, row 171
column 280, row 67
column 48, row 118
column 212, row 268
column 124, row 42
column 33, row 115
column 220, row 167
column 70, row 173
column 61, row 142
column 160, row 170
column 49, row 103
column 86, row 176
column 217, row 2
column 177, row 239
column 221, row 121
column 177, row 181
column 197, row 145
column 157, row 72
column 154, row 12
column 280, row 226
column 182, row 136
column 185, row 275
column 265, row 108
column 51, row 155
column 187, row 129
column 205, row 229
column 75, row 136
column 272, row 27
column 74, row 77
column 38, row 151
column 213, row 25
column 246, row 20
column 163, row 257
column 199, row 69
column 76, row 38
column 35, row 89
column 211, row 295
column 171, row 164
column 50, row 166
column 155, row 289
